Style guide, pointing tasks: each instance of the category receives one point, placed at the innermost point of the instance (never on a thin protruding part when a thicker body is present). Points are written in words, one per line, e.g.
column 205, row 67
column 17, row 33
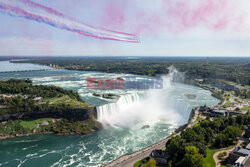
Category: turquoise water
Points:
column 164, row 110
column 7, row 66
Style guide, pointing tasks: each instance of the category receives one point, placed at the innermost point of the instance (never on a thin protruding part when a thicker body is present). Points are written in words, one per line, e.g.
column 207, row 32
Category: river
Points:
column 161, row 110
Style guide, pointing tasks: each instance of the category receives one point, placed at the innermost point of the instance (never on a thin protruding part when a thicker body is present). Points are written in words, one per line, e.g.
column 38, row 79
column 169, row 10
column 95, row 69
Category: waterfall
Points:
column 182, row 108
column 155, row 105
column 131, row 109
column 106, row 112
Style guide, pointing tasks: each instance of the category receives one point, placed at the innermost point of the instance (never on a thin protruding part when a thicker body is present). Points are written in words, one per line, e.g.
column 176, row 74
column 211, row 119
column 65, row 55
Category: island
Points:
column 214, row 135
column 27, row 109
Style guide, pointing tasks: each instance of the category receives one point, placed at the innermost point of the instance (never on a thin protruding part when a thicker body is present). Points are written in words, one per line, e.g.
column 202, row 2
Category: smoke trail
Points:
column 37, row 12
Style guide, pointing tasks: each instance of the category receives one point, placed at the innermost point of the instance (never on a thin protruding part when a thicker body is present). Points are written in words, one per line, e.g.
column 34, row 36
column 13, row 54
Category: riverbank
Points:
column 97, row 126
column 24, row 135
column 47, row 133
column 106, row 145
column 28, row 109
column 131, row 159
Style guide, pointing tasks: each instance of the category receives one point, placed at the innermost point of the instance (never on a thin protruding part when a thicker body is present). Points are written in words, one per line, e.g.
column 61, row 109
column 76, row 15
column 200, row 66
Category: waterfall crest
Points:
column 155, row 105
column 107, row 111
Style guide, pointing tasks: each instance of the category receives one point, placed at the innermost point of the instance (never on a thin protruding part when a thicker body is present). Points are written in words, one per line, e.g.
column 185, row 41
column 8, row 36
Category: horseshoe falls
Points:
column 163, row 110
column 133, row 109
column 147, row 107
column 107, row 113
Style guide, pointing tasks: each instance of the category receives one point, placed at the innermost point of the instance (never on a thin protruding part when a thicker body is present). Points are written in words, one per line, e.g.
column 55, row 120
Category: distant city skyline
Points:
column 209, row 28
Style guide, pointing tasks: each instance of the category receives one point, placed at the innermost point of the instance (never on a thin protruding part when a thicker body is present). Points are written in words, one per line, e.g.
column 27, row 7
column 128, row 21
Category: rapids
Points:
column 162, row 109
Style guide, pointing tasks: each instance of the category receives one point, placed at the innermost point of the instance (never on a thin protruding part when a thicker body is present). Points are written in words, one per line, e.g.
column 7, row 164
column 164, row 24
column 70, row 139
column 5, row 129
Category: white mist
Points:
column 156, row 105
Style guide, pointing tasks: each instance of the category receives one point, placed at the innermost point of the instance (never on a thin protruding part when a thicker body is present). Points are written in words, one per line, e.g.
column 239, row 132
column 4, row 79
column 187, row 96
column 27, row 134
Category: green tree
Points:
column 190, row 135
column 175, row 148
column 192, row 157
column 227, row 137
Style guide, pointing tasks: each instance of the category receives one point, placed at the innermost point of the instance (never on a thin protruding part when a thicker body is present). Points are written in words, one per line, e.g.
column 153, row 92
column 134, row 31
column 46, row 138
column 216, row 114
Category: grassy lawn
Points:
column 228, row 104
column 198, row 119
column 137, row 164
column 150, row 163
column 77, row 103
column 209, row 161
column 245, row 108
column 65, row 100
column 233, row 83
column 31, row 124
column 146, row 163
column 230, row 82
column 196, row 125
column 62, row 100
column 50, row 99
column 57, row 100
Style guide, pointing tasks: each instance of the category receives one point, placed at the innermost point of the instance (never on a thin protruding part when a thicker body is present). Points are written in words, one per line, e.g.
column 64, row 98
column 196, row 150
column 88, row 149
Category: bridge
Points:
column 52, row 69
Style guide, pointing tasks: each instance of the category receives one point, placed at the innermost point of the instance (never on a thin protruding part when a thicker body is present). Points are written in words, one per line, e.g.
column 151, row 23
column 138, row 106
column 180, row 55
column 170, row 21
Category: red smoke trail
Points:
column 28, row 9
column 47, row 9
column 176, row 16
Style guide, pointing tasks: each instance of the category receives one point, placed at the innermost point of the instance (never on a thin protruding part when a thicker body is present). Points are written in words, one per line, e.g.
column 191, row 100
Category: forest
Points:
column 19, row 96
column 22, row 103
column 189, row 149
column 25, row 87
column 232, row 69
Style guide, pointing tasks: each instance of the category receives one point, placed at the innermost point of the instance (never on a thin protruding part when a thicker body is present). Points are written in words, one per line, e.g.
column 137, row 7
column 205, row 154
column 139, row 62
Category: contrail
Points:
column 37, row 12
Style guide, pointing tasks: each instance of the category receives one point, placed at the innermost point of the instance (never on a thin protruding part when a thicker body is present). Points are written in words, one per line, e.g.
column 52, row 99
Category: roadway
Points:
column 128, row 160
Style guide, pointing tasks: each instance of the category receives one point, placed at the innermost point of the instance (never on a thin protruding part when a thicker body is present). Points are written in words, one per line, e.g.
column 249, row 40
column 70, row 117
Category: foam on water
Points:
column 163, row 110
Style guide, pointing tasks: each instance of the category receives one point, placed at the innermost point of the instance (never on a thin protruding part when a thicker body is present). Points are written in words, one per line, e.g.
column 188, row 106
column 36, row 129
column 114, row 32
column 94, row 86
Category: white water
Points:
column 163, row 110
column 6, row 66
column 155, row 105
column 108, row 113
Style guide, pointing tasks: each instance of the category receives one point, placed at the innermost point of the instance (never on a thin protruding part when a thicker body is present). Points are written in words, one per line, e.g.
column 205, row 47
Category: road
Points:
column 129, row 160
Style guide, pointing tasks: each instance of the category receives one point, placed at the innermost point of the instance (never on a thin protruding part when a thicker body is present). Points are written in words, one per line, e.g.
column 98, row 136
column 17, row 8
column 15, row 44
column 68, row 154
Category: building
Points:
column 224, row 86
column 248, row 146
column 248, row 131
column 237, row 154
column 160, row 156
column 242, row 162
column 213, row 112
column 219, row 112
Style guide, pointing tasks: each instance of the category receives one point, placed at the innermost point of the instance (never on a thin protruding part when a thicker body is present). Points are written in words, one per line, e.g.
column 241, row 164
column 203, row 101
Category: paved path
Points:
column 215, row 156
column 128, row 160
column 192, row 122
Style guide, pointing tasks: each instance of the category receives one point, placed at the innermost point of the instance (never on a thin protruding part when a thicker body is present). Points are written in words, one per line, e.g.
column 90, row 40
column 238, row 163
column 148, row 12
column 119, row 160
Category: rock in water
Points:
column 145, row 127
column 190, row 96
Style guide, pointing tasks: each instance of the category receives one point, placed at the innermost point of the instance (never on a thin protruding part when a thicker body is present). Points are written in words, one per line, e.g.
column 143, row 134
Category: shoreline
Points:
column 133, row 157
column 192, row 117
column 125, row 157
column 24, row 135
column 45, row 133
column 213, row 93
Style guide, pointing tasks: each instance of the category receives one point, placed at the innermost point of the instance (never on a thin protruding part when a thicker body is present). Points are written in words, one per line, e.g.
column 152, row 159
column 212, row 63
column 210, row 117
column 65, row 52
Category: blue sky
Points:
column 165, row 28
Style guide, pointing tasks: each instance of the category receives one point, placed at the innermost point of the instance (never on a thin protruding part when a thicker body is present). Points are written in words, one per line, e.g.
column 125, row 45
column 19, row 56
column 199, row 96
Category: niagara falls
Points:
column 134, row 119
column 124, row 83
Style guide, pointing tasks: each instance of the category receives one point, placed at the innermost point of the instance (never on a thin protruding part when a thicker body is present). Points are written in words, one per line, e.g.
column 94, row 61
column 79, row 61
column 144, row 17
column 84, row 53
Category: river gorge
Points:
column 134, row 119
